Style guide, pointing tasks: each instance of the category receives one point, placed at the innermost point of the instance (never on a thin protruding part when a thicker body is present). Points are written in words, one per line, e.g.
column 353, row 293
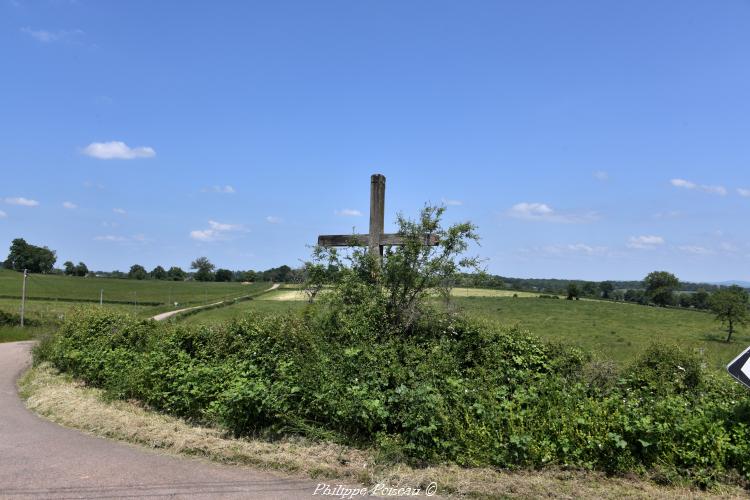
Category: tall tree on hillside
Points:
column 573, row 291
column 176, row 274
column 158, row 273
column 204, row 270
column 730, row 307
column 660, row 287
column 137, row 272
column 606, row 287
column 24, row 256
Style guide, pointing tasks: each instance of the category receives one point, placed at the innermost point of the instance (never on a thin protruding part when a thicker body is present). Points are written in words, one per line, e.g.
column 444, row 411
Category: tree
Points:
column 730, row 307
column 606, row 287
column 137, row 272
column 81, row 269
column 700, row 299
column 573, row 291
column 248, row 276
column 69, row 268
column 223, row 275
column 394, row 290
column 176, row 274
column 158, row 273
column 204, row 270
column 322, row 270
column 24, row 256
column 589, row 289
column 660, row 287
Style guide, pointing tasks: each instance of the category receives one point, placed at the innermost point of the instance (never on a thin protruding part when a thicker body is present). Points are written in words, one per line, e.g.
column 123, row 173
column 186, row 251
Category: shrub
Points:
column 455, row 390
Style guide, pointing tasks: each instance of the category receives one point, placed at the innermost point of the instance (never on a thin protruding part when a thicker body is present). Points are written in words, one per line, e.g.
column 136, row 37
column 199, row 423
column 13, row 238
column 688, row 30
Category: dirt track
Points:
column 169, row 314
column 39, row 459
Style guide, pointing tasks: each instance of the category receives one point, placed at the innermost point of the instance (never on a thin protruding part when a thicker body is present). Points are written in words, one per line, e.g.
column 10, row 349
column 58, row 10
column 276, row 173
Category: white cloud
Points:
column 110, row 237
column 601, row 175
column 452, row 203
column 69, row 205
column 272, row 219
column 216, row 231
column 684, row 184
column 3, row 214
column 645, row 242
column 545, row 213
column 576, row 248
column 120, row 211
column 220, row 189
column 46, row 36
column 348, row 212
column 744, row 192
column 117, row 150
column 695, row 249
column 24, row 202
column 729, row 247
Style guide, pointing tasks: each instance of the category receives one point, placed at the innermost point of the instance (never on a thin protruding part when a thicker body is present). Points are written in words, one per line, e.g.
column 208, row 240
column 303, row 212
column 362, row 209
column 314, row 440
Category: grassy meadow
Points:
column 612, row 330
column 147, row 292
column 50, row 297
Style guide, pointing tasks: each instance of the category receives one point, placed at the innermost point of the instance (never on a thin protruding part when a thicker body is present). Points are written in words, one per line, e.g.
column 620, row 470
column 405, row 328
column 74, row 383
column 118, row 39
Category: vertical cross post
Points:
column 377, row 213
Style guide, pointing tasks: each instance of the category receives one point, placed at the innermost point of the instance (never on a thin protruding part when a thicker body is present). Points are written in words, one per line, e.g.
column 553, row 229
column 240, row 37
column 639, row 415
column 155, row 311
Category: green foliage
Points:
column 223, row 275
column 158, row 273
column 137, row 272
column 455, row 390
column 204, row 269
column 730, row 307
column 573, row 292
column 660, row 287
column 25, row 256
column 176, row 274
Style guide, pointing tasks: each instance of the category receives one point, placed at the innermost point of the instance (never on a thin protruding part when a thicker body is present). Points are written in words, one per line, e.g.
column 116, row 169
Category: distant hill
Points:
column 743, row 284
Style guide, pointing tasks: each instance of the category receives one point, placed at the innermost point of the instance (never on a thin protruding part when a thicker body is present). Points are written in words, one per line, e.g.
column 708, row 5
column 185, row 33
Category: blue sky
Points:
column 589, row 140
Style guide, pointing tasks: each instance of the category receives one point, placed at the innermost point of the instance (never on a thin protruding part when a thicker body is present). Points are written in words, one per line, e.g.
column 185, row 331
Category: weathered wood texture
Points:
column 375, row 240
column 377, row 212
column 361, row 240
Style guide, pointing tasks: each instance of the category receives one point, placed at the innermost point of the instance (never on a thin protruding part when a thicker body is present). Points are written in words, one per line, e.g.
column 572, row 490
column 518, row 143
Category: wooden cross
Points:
column 375, row 239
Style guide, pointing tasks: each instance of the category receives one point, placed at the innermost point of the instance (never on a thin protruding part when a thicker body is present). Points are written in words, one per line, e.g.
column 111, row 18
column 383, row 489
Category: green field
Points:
column 50, row 297
column 616, row 330
column 612, row 330
column 149, row 292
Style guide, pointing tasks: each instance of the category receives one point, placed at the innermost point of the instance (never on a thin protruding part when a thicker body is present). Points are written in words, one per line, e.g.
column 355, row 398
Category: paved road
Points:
column 169, row 314
column 39, row 459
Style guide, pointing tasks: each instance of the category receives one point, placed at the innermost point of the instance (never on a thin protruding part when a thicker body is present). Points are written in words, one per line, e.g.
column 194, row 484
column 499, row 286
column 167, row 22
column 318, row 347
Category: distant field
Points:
column 288, row 293
column 152, row 292
column 616, row 330
column 487, row 292
column 261, row 305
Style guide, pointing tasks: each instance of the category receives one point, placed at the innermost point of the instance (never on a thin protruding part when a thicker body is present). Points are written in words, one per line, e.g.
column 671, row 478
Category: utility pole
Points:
column 23, row 296
column 101, row 297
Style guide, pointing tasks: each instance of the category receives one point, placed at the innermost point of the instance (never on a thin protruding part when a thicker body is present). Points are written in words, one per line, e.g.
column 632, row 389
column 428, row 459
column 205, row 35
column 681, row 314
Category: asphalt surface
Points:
column 40, row 459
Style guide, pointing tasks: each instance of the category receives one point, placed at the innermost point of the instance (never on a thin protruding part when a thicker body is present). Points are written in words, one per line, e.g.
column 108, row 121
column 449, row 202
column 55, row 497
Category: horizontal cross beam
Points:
column 363, row 240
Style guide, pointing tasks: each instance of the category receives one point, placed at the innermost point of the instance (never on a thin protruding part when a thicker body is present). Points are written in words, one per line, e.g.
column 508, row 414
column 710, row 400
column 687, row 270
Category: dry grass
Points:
column 71, row 404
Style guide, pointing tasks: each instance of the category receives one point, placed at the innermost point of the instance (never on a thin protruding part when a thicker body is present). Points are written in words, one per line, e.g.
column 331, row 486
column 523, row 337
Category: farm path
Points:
column 169, row 314
column 40, row 459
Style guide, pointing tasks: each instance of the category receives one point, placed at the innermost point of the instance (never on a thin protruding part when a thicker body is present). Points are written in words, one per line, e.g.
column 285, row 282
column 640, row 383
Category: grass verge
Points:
column 69, row 403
